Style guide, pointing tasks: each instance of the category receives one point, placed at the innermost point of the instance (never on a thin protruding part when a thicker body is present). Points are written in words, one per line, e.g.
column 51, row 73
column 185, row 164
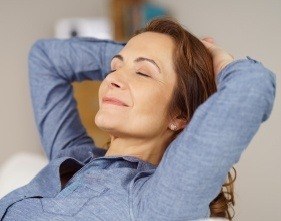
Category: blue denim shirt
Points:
column 191, row 172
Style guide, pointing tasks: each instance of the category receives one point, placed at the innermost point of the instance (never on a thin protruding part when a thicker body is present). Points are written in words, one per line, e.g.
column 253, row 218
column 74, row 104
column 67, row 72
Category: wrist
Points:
column 223, row 64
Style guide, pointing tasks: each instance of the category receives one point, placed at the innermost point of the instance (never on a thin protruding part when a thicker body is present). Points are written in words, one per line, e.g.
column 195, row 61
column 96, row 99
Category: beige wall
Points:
column 242, row 27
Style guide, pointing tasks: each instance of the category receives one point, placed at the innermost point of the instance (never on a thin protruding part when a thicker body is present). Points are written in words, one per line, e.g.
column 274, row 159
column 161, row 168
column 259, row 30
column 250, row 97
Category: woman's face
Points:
column 146, row 97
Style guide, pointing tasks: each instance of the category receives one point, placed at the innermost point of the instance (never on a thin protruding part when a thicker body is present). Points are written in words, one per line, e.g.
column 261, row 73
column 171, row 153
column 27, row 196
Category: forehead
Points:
column 156, row 46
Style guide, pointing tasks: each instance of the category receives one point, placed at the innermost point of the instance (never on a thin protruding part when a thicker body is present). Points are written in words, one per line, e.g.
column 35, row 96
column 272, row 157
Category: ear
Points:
column 177, row 123
column 180, row 123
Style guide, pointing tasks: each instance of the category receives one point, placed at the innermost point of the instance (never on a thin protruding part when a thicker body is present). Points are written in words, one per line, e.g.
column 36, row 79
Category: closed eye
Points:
column 110, row 72
column 139, row 73
column 145, row 75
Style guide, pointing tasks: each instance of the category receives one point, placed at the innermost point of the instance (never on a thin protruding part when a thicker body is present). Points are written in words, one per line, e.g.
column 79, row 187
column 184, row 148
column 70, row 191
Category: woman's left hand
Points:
column 221, row 58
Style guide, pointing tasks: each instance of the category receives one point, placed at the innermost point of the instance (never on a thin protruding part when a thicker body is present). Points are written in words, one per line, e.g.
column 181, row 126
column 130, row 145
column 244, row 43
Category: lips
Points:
column 113, row 100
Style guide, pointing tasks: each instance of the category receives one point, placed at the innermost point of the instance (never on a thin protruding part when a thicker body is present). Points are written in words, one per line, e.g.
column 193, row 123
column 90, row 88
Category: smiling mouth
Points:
column 115, row 103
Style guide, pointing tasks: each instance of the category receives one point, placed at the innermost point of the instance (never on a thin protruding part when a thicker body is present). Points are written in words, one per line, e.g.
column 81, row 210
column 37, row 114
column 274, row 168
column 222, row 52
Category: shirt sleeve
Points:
column 195, row 165
column 53, row 65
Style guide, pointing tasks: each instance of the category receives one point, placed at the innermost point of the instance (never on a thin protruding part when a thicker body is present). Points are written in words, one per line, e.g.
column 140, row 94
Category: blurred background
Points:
column 243, row 28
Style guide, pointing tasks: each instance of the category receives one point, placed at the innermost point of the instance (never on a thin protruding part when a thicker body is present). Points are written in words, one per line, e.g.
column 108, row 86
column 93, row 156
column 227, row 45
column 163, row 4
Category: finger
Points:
column 209, row 39
column 207, row 44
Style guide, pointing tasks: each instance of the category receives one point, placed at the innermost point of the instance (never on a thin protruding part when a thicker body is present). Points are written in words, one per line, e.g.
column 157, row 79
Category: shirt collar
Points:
column 142, row 165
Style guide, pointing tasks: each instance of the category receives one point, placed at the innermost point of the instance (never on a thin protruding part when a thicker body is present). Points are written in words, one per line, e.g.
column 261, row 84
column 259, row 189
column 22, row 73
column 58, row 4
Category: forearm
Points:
column 77, row 59
column 53, row 65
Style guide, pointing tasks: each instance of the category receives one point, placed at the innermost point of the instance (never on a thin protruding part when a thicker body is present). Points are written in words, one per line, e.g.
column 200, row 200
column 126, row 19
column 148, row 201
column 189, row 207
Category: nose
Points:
column 114, row 80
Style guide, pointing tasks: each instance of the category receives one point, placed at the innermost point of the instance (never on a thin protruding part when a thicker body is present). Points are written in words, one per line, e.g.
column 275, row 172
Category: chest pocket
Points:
column 72, row 199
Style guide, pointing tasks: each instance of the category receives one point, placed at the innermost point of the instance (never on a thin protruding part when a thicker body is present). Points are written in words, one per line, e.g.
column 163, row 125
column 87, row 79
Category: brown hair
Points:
column 193, row 65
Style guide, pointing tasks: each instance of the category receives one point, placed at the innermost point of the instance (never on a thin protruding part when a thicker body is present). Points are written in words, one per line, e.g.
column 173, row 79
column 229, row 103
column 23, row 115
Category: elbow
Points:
column 37, row 58
column 249, row 79
column 269, row 92
column 36, row 48
column 264, row 83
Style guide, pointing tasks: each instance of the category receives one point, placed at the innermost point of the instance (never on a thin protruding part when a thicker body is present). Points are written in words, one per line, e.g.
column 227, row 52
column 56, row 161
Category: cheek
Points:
column 151, row 102
column 149, row 113
column 101, row 92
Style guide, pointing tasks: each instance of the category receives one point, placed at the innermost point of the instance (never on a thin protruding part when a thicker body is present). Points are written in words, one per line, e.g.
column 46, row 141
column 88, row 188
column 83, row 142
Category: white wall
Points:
column 242, row 27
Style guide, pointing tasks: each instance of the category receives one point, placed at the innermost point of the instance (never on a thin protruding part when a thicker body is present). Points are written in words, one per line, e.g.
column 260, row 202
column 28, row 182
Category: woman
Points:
column 174, row 133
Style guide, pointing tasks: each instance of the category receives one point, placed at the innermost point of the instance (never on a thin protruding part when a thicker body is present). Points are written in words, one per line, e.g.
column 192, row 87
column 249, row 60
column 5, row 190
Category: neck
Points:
column 147, row 150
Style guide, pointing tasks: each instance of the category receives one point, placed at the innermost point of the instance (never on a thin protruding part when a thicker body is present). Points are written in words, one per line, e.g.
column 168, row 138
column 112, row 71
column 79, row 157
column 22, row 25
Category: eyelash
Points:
column 139, row 73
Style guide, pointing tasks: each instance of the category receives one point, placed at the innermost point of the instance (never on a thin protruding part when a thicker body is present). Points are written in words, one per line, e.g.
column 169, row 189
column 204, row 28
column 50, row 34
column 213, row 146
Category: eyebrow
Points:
column 139, row 59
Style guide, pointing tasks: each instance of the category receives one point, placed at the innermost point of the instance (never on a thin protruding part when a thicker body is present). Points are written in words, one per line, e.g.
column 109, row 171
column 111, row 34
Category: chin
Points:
column 105, row 122
column 112, row 125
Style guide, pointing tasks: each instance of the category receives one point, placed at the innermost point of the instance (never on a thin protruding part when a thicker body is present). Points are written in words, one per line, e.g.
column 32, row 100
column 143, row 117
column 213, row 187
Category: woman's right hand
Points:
column 221, row 58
